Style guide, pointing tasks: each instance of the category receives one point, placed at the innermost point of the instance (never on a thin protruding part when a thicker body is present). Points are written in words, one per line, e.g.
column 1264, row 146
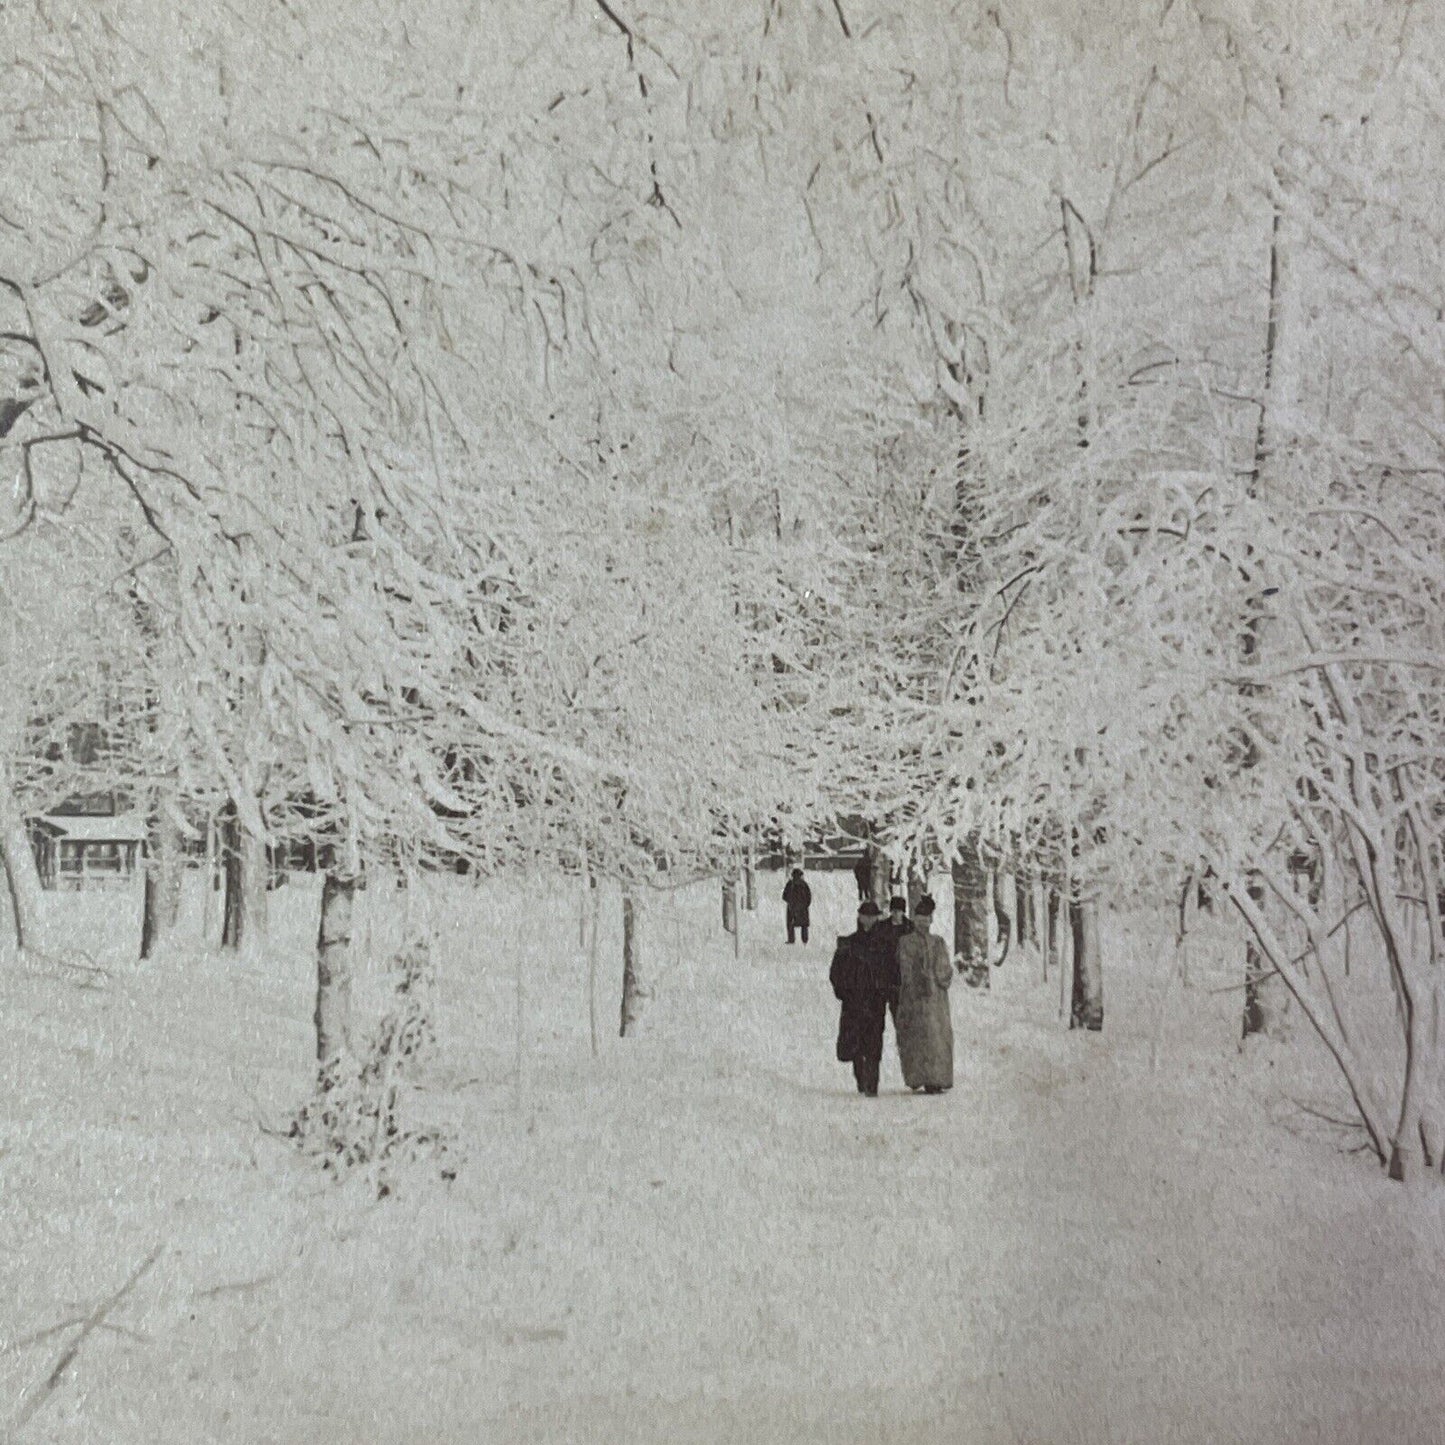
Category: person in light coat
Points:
column 923, row 1023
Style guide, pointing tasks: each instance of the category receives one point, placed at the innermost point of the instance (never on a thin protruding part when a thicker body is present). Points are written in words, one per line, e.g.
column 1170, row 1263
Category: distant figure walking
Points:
column 799, row 899
column 865, row 980
column 923, row 1023
column 863, row 875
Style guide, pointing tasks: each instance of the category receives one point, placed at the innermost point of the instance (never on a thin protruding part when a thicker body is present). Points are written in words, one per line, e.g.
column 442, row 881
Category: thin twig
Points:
column 1327, row 1118
column 241, row 1286
column 38, row 1394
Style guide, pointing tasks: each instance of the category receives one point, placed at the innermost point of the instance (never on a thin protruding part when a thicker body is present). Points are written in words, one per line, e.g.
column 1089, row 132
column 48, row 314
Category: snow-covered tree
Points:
column 1187, row 646
column 376, row 336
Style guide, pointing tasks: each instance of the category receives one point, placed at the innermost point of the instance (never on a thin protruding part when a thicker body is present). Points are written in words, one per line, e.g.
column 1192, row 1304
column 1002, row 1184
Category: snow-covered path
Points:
column 705, row 1235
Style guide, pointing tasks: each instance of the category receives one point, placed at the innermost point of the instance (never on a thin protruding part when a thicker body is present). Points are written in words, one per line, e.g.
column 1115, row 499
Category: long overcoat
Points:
column 799, row 899
column 865, row 979
column 923, row 1023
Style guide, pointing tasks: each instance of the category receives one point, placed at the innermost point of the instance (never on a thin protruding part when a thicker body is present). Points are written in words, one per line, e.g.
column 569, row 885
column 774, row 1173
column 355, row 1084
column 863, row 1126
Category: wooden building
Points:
column 86, row 850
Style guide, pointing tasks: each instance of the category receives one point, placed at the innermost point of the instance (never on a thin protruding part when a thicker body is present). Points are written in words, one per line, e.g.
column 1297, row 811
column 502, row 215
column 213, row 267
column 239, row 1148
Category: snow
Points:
column 705, row 1234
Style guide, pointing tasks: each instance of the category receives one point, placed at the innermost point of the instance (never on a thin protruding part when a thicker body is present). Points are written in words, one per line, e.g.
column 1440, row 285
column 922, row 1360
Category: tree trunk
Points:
column 23, row 901
column 23, row 891
column 750, row 885
column 634, row 990
column 730, row 914
column 1266, row 996
column 333, row 974
column 1001, row 932
column 1006, row 905
column 1053, row 931
column 161, row 897
column 879, row 875
column 149, row 913
column 212, row 869
column 1188, row 894
column 1024, row 930
column 1066, row 958
column 256, row 896
column 243, row 918
column 1432, row 1137
column 1266, row 999
column 228, row 840
column 971, row 916
column 172, row 875
column 1049, row 926
column 1086, row 1009
column 585, row 885
column 1406, row 1148
column 917, row 886
column 592, row 961
column 1417, row 1141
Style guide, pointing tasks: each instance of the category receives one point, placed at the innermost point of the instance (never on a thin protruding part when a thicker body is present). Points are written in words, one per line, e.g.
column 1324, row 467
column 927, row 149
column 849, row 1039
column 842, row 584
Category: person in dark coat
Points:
column 799, row 899
column 896, row 924
column 863, row 874
column 922, row 1022
column 864, row 976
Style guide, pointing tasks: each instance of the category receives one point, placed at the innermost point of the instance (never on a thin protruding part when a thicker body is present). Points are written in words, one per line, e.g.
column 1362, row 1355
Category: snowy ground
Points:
column 705, row 1234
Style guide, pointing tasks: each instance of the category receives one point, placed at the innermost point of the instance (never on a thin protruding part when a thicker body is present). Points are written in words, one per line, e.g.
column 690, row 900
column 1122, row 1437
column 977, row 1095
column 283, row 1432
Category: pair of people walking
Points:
column 898, row 966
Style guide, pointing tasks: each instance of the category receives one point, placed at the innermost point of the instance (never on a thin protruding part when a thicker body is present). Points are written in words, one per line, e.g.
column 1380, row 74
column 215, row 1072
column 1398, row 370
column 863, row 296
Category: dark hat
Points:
column 869, row 909
column 898, row 905
column 797, row 872
column 924, row 905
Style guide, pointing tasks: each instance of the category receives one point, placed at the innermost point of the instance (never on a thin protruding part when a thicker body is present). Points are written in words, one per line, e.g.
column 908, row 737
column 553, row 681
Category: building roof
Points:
column 127, row 828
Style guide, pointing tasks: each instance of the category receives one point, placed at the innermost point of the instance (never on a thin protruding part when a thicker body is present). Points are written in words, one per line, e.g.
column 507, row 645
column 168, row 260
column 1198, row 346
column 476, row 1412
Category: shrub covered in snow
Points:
column 358, row 1119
